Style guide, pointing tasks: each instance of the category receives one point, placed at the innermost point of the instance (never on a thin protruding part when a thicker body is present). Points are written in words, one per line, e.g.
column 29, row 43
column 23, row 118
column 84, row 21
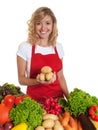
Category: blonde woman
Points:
column 42, row 49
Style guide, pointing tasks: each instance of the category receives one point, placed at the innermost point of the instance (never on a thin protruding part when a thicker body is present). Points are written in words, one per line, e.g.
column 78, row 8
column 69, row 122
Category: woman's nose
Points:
column 43, row 27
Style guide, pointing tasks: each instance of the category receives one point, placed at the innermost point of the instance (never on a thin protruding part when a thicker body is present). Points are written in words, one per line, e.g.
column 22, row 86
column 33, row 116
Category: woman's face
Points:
column 44, row 27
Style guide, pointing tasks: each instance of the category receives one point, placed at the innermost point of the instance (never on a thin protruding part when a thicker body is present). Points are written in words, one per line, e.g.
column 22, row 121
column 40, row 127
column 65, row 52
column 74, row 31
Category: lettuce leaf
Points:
column 78, row 102
column 29, row 111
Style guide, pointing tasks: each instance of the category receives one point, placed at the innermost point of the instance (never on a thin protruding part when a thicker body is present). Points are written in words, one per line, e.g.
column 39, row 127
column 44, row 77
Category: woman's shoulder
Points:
column 58, row 45
column 24, row 50
column 60, row 49
column 25, row 44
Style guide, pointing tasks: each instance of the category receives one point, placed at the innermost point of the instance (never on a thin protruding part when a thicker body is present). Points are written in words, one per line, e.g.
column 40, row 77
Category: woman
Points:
column 42, row 49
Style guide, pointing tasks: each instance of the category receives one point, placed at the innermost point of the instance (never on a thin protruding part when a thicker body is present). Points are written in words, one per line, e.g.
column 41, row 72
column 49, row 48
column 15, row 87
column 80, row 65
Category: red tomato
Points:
column 4, row 113
column 18, row 100
column 9, row 100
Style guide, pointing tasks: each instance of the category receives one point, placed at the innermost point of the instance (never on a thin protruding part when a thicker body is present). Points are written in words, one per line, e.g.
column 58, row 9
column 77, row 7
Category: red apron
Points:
column 43, row 91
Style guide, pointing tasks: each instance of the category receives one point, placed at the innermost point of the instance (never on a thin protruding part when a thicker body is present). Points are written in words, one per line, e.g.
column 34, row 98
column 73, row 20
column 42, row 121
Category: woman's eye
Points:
column 47, row 23
column 38, row 23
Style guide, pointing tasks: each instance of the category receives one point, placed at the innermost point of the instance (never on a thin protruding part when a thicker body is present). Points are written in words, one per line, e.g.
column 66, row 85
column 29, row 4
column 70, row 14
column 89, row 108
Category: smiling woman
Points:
column 40, row 50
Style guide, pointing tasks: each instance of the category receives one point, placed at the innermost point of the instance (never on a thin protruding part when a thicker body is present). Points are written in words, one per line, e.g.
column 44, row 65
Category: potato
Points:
column 40, row 128
column 42, row 77
column 58, row 126
column 49, row 76
column 49, row 123
column 46, row 69
column 50, row 116
column 48, row 129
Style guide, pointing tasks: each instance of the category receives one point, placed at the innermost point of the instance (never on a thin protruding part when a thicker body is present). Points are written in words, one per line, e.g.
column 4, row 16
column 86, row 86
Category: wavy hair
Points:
column 38, row 15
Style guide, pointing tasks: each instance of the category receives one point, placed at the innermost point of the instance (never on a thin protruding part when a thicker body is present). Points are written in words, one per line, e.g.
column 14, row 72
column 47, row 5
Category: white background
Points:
column 78, row 33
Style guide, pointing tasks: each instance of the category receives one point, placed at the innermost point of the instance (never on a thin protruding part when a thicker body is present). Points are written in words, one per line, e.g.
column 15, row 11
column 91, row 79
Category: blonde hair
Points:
column 38, row 15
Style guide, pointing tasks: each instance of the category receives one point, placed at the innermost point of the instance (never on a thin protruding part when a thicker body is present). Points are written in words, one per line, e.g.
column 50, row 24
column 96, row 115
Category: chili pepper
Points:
column 93, row 112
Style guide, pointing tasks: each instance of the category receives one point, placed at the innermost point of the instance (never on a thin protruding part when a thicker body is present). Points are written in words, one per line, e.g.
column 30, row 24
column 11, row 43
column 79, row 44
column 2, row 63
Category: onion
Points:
column 8, row 125
column 1, row 127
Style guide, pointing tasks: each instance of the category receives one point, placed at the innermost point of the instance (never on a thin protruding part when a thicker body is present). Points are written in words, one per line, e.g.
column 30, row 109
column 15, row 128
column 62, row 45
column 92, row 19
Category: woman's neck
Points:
column 43, row 42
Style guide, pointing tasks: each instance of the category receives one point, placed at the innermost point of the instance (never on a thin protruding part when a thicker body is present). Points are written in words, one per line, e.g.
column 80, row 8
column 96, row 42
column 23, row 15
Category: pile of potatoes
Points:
column 46, row 73
column 50, row 122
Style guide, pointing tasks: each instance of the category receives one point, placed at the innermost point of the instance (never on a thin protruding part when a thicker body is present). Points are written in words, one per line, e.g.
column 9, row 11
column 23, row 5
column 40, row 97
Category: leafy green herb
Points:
column 79, row 102
column 29, row 111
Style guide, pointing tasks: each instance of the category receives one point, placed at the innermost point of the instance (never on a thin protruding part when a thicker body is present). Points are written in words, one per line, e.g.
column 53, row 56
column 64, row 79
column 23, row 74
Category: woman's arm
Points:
column 63, row 83
column 22, row 78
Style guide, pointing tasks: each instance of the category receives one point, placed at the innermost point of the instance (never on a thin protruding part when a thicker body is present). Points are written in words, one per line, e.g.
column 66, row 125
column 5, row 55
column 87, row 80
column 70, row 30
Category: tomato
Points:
column 9, row 100
column 18, row 100
column 4, row 113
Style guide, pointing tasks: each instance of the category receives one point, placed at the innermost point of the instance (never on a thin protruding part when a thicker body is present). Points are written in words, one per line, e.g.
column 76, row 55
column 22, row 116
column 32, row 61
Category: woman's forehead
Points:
column 47, row 18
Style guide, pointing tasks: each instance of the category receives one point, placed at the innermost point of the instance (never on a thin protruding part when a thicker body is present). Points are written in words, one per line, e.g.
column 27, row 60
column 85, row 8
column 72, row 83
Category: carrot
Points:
column 65, row 118
column 79, row 125
column 73, row 123
column 60, row 118
column 68, row 122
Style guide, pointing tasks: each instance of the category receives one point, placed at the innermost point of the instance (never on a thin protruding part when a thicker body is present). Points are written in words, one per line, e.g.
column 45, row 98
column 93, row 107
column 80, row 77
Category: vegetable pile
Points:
column 19, row 112
column 7, row 88
column 78, row 102
column 29, row 112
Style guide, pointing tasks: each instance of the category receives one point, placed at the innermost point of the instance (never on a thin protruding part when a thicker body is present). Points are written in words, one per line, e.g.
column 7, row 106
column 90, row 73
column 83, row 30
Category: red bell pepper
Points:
column 93, row 112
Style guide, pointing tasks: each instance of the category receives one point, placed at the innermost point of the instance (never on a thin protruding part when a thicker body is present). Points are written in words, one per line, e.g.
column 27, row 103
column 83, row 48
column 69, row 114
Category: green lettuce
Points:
column 28, row 111
column 78, row 102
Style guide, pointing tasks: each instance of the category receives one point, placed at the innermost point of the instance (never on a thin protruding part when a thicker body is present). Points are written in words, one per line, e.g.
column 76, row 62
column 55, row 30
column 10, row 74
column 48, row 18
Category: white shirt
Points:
column 25, row 50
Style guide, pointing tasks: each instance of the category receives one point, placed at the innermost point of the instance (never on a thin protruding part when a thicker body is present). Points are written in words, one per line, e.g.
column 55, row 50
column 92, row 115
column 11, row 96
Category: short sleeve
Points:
column 60, row 50
column 24, row 50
